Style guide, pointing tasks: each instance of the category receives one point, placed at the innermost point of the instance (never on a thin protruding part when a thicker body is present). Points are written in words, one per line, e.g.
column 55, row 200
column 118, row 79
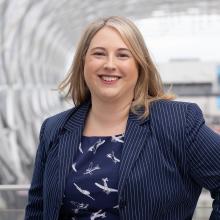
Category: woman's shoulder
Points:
column 53, row 124
column 174, row 107
column 172, row 103
column 61, row 116
column 176, row 122
column 175, row 114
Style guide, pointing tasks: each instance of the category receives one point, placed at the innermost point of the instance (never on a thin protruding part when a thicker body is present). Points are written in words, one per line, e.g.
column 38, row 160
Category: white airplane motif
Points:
column 105, row 187
column 90, row 169
column 118, row 138
column 84, row 192
column 95, row 147
column 97, row 215
column 80, row 148
column 112, row 156
column 79, row 206
column 116, row 207
column 74, row 167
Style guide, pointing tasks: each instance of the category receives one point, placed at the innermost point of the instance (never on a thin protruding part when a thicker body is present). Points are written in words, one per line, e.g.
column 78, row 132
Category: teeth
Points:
column 109, row 78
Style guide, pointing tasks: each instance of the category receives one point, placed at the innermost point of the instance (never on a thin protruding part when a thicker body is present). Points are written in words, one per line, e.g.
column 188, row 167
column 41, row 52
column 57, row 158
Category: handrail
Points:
column 203, row 204
column 204, row 200
column 14, row 187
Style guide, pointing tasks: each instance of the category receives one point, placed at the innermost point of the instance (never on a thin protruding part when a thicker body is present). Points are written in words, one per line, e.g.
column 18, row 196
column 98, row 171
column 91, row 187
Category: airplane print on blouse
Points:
column 105, row 187
column 80, row 147
column 83, row 191
column 74, row 167
column 97, row 215
column 78, row 206
column 92, row 184
column 118, row 138
column 95, row 147
column 90, row 169
column 116, row 207
column 112, row 156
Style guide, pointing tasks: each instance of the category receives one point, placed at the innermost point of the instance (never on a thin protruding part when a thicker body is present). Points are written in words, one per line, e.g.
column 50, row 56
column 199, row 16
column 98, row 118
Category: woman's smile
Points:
column 109, row 79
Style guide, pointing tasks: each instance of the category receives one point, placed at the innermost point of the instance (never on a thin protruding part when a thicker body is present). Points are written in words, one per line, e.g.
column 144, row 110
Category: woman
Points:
column 125, row 151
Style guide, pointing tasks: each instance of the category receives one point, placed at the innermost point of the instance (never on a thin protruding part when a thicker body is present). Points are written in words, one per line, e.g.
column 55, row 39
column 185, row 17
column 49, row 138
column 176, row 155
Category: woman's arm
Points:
column 34, row 208
column 203, row 147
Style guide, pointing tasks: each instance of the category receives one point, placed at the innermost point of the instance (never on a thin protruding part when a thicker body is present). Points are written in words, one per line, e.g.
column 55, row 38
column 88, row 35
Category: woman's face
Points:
column 110, row 70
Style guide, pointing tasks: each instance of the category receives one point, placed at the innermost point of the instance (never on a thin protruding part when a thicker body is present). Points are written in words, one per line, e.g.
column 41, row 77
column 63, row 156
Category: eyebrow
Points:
column 102, row 48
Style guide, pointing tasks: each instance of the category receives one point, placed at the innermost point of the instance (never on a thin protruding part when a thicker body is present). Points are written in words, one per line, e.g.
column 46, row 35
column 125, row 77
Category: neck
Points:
column 110, row 113
column 107, row 118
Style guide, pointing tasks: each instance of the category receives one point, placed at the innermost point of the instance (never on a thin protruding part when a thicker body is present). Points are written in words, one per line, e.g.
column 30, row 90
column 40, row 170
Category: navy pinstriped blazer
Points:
column 166, row 160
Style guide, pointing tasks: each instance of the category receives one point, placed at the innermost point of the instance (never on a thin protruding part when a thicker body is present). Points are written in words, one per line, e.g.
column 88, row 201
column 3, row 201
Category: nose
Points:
column 110, row 63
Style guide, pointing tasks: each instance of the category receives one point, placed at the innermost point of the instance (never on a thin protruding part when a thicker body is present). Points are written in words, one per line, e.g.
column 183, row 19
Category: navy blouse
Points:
column 92, row 185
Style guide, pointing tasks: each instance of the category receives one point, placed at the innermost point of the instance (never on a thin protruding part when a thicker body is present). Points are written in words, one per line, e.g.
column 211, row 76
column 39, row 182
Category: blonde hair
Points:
column 149, row 86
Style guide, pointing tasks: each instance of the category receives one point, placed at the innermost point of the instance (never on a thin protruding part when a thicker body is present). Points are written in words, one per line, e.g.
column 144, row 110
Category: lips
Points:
column 109, row 78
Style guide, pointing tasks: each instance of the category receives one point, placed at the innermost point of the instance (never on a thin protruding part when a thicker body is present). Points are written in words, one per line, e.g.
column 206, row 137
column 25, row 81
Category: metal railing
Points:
column 14, row 187
column 202, row 211
column 13, row 199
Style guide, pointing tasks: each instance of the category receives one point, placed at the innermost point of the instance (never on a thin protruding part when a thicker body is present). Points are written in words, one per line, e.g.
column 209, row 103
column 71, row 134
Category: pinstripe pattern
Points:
column 166, row 160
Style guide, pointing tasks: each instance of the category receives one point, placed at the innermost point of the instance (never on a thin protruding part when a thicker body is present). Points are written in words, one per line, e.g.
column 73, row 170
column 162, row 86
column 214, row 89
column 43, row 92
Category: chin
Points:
column 109, row 97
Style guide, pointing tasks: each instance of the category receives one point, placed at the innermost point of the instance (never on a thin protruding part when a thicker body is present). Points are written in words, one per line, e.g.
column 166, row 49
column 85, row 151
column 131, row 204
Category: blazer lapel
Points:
column 135, row 138
column 69, row 143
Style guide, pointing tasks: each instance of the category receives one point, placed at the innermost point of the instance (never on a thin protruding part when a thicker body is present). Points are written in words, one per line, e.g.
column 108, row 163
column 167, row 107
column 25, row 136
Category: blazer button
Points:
column 122, row 204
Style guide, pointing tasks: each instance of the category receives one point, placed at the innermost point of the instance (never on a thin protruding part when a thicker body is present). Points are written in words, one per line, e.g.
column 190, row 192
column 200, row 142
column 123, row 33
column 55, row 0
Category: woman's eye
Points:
column 99, row 54
column 123, row 55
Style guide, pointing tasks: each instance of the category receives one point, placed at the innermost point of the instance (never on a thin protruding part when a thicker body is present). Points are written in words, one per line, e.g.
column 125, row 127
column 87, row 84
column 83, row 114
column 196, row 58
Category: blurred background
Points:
column 37, row 42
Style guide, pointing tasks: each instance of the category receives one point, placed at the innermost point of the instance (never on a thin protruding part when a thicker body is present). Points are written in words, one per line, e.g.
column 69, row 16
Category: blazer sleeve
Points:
column 34, row 208
column 203, row 147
